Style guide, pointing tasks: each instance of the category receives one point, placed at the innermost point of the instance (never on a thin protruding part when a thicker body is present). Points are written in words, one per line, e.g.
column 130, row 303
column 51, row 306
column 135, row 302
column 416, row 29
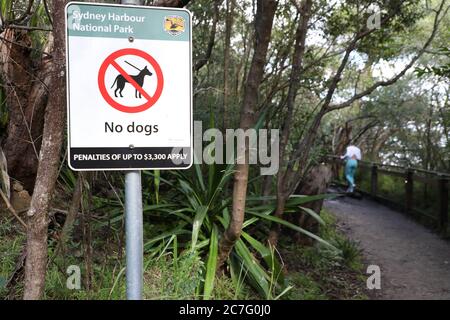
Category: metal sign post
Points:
column 129, row 101
column 133, row 234
column 134, row 225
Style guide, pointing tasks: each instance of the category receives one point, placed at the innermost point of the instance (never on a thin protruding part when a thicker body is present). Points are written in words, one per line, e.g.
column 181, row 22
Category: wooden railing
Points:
column 421, row 194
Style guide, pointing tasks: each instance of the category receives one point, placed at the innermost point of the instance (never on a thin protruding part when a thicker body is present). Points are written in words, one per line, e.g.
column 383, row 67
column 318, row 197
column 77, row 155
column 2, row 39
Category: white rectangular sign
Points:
column 129, row 87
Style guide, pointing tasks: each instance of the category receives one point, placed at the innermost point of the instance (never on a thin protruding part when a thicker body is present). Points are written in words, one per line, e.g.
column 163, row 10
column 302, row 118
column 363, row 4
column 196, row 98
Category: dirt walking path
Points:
column 414, row 262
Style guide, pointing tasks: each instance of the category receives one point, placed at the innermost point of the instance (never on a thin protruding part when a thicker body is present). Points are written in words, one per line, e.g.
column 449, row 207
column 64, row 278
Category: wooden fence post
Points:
column 443, row 203
column 374, row 181
column 408, row 190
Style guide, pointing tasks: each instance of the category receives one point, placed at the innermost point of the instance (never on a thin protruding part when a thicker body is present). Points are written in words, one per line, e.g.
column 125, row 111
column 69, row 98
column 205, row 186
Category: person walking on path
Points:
column 351, row 157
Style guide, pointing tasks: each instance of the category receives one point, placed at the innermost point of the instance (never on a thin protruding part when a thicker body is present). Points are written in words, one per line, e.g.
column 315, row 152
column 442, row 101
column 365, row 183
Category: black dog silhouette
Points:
column 139, row 78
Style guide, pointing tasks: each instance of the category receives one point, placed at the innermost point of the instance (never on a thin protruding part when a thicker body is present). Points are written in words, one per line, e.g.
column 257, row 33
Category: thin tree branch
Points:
column 15, row 26
column 12, row 210
column 400, row 74
column 212, row 37
column 24, row 46
column 24, row 15
column 47, row 11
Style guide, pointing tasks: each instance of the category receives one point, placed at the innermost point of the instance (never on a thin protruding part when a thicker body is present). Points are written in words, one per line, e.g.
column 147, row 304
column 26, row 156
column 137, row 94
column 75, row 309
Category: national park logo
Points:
column 174, row 25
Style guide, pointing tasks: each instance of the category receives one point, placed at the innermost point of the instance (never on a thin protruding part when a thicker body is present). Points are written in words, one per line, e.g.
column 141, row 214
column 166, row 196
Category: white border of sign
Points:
column 191, row 102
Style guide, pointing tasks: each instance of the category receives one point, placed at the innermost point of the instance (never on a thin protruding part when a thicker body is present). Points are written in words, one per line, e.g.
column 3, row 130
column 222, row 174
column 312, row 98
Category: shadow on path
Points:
column 414, row 262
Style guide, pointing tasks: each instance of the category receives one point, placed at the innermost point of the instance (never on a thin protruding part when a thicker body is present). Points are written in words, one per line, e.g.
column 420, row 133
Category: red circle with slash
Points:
column 111, row 61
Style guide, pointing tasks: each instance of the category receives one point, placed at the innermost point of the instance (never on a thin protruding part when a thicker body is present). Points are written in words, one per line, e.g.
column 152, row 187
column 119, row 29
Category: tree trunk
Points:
column 26, row 91
column 226, row 61
column 212, row 38
column 316, row 182
column 71, row 216
column 87, row 230
column 297, row 61
column 35, row 266
column 263, row 28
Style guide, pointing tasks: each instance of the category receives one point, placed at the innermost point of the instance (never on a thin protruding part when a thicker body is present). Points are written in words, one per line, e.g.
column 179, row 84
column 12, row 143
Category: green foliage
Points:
column 6, row 9
column 12, row 240
column 440, row 71
column 317, row 273
column 392, row 187
column 202, row 208
column 349, row 253
column 171, row 277
column 306, row 288
column 351, row 17
column 167, row 276
column 186, row 212
column 211, row 266
column 174, row 278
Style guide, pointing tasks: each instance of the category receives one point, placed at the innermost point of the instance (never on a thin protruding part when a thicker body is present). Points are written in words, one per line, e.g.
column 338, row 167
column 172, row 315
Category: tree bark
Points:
column 317, row 182
column 212, row 38
column 297, row 61
column 71, row 216
column 226, row 60
column 35, row 266
column 26, row 90
column 263, row 28
column 87, row 230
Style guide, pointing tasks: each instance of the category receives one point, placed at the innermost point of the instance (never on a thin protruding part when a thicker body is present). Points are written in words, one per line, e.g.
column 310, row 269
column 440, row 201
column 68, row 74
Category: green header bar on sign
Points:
column 118, row 21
